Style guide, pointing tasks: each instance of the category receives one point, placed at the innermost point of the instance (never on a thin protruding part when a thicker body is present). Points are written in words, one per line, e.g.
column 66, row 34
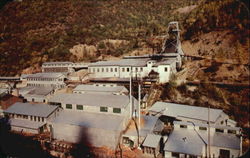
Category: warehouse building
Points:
column 30, row 118
column 137, row 67
column 62, row 67
column 100, row 89
column 95, row 103
column 36, row 94
column 55, row 80
column 191, row 140
column 171, row 112
column 92, row 129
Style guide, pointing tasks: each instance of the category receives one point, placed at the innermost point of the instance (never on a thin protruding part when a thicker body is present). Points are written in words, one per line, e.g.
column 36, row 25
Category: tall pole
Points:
column 139, row 103
column 209, row 131
column 130, row 94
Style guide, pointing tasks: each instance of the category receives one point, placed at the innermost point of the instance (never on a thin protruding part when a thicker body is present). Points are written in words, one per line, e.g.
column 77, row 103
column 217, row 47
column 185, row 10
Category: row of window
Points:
column 32, row 118
column 216, row 130
column 137, row 69
column 44, row 79
column 102, row 109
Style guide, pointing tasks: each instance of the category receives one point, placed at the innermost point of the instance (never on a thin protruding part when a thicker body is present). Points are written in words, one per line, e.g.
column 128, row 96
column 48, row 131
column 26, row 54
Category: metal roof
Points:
column 41, row 110
column 122, row 62
column 116, row 101
column 94, row 88
column 185, row 111
column 184, row 141
column 165, row 62
column 40, row 91
column 223, row 140
column 26, row 123
column 90, row 120
column 152, row 140
column 58, row 62
column 45, row 75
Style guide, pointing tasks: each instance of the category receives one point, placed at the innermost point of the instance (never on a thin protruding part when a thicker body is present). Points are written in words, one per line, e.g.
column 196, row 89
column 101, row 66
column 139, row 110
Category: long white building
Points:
column 172, row 112
column 31, row 118
column 141, row 67
column 98, row 118
column 55, row 80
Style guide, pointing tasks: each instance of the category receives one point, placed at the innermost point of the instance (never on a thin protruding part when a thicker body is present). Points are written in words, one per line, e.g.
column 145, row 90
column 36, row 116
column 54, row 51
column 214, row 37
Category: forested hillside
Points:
column 34, row 31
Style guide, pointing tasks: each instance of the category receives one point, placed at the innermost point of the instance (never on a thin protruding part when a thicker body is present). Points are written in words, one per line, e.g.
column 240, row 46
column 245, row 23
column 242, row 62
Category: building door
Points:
column 224, row 153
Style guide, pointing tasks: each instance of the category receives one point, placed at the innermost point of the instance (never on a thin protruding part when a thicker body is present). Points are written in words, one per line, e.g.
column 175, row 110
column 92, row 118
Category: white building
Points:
column 55, row 80
column 191, row 140
column 36, row 94
column 137, row 67
column 62, row 67
column 30, row 118
column 95, row 103
column 187, row 113
column 101, row 89
column 97, row 118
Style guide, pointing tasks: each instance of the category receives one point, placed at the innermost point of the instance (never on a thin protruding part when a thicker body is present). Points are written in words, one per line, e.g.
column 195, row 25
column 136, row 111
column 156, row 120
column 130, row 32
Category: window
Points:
column 93, row 69
column 175, row 154
column 117, row 110
column 219, row 130
column 38, row 119
column 97, row 69
column 115, row 69
column 123, row 69
column 103, row 109
column 203, row 128
column 127, row 69
column 231, row 131
column 42, row 119
column 141, row 68
column 102, row 69
column 183, row 126
column 79, row 107
column 31, row 118
column 111, row 69
column 136, row 69
column 166, row 69
column 68, row 106
column 107, row 69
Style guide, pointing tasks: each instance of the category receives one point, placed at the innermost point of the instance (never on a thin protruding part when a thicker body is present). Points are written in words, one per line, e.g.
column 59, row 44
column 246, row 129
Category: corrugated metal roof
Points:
column 152, row 140
column 186, row 111
column 41, row 110
column 122, row 62
column 26, row 123
column 90, row 120
column 223, row 140
column 94, row 88
column 117, row 101
column 58, row 62
column 45, row 75
column 40, row 91
column 184, row 141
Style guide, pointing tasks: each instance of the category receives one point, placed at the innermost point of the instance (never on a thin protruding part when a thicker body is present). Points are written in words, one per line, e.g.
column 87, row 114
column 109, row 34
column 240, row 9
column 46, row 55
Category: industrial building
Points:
column 30, row 118
column 55, row 80
column 101, row 89
column 62, row 67
column 141, row 67
column 200, row 140
column 36, row 94
column 93, row 129
column 148, row 125
column 95, row 103
column 171, row 112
